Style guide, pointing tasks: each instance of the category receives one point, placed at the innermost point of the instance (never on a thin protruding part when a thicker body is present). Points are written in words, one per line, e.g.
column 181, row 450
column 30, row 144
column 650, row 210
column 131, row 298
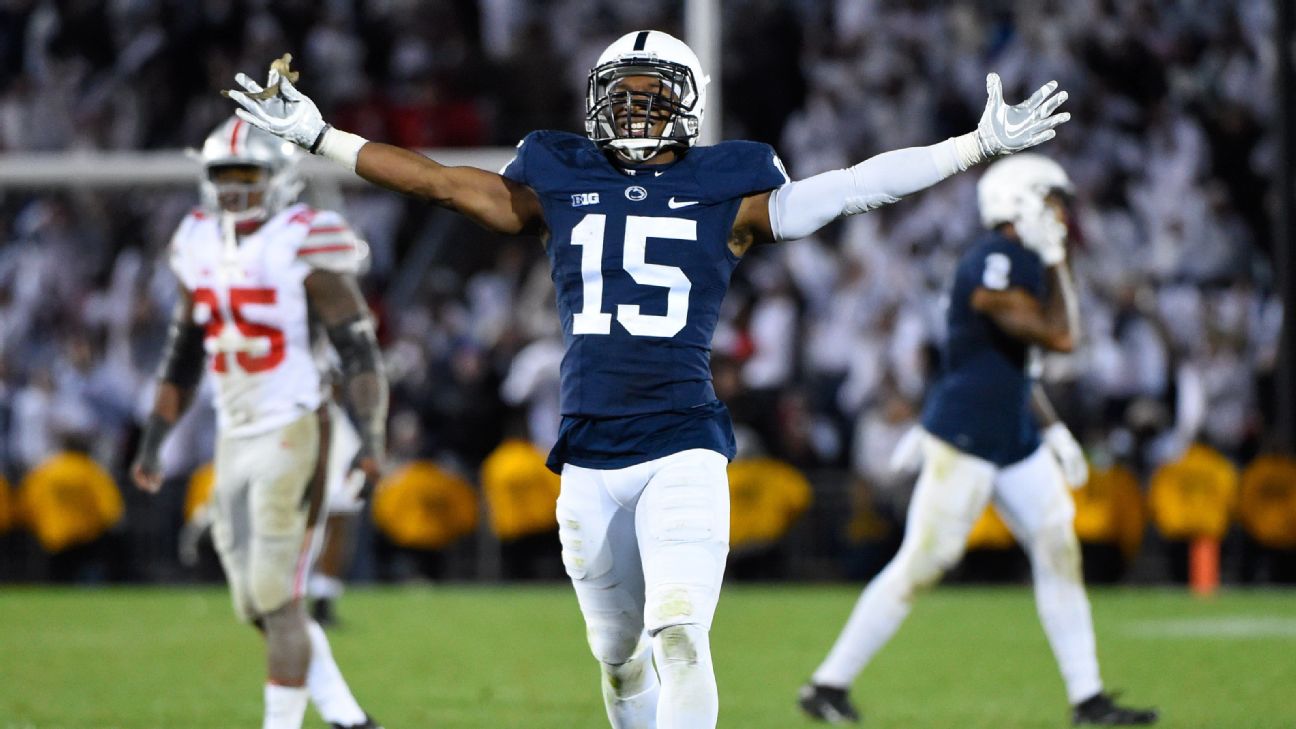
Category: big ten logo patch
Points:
column 582, row 199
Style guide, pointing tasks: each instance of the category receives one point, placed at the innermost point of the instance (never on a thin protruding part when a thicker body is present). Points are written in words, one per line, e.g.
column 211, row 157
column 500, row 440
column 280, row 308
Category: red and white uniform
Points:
column 251, row 300
column 250, row 296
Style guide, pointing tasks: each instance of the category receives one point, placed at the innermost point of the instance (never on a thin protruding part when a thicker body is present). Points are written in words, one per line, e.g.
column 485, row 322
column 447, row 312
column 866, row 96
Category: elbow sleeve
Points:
column 184, row 356
column 356, row 345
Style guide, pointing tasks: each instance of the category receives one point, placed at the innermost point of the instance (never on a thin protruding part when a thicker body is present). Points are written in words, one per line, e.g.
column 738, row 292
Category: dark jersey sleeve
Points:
column 738, row 169
column 1008, row 265
column 516, row 169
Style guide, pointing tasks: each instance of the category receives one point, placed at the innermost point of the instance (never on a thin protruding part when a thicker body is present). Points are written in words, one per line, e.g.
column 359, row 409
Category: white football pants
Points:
column 645, row 548
column 952, row 492
column 267, row 494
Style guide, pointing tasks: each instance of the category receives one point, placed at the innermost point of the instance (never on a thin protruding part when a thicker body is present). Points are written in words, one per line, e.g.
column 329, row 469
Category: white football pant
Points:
column 952, row 492
column 268, row 488
column 645, row 548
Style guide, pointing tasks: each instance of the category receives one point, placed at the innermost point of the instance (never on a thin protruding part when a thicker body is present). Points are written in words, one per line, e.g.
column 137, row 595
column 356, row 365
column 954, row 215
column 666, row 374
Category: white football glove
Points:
column 290, row 114
column 1068, row 454
column 1005, row 129
column 908, row 454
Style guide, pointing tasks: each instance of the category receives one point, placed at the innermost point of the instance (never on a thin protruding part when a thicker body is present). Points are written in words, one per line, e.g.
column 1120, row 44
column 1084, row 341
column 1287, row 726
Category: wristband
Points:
column 339, row 146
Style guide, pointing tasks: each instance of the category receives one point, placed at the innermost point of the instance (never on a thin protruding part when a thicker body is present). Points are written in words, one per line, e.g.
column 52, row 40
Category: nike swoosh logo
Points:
column 1014, row 130
column 673, row 205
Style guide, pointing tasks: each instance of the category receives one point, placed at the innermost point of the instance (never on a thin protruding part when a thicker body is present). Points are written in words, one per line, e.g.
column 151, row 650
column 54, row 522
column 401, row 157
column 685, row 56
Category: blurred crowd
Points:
column 826, row 345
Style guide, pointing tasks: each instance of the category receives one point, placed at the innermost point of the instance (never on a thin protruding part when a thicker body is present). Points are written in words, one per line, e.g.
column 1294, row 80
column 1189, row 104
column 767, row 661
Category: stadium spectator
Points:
column 766, row 497
column 1110, row 520
column 1192, row 498
column 1267, row 512
column 521, row 496
column 421, row 509
column 71, row 504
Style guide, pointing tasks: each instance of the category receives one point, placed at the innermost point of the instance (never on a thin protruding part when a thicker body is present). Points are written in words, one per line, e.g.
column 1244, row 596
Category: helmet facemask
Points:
column 639, row 107
column 239, row 190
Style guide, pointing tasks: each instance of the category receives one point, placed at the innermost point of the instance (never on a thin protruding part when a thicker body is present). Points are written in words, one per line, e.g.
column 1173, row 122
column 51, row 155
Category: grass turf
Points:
column 497, row 657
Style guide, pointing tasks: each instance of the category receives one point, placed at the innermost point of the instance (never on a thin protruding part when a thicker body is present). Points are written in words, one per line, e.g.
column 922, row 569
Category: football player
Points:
column 643, row 228
column 1012, row 295
column 260, row 278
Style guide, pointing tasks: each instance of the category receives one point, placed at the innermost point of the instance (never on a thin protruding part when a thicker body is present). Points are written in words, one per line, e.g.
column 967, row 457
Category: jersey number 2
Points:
column 588, row 234
column 997, row 268
column 238, row 298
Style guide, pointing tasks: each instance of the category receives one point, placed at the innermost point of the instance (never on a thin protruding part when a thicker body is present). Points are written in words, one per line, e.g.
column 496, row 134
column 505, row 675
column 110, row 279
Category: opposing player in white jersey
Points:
column 643, row 228
column 260, row 278
column 1012, row 293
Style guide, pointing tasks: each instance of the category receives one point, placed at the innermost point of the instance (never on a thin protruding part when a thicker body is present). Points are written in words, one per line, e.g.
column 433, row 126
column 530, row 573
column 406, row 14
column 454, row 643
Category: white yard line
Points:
column 1230, row 627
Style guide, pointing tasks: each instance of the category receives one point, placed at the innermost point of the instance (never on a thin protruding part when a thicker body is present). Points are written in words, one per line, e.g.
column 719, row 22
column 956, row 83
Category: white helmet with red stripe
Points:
column 235, row 143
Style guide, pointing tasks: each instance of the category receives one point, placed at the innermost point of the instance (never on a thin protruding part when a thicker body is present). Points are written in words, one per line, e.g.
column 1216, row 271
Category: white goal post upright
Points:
column 702, row 33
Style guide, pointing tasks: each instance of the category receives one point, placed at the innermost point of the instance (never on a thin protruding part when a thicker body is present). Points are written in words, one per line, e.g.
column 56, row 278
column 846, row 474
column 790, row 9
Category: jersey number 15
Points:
column 588, row 234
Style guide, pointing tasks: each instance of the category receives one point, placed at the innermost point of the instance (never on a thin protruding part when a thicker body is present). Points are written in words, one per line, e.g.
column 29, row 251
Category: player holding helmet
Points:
column 643, row 228
column 259, row 277
column 1012, row 293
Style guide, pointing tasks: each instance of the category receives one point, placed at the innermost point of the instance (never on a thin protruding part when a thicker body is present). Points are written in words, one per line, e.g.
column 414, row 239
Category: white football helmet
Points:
column 1014, row 188
column 237, row 143
column 679, row 99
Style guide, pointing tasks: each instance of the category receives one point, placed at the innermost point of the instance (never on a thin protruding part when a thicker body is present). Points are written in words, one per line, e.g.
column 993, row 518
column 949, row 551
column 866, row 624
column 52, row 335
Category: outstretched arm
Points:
column 488, row 199
column 801, row 207
column 182, row 368
column 335, row 300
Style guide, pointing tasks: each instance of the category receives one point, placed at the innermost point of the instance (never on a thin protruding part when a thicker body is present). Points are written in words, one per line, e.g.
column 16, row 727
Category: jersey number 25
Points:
column 588, row 234
column 238, row 298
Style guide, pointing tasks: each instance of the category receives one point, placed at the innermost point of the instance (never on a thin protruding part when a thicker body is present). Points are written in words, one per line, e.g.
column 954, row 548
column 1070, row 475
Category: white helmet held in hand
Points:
column 624, row 119
column 235, row 143
column 1014, row 188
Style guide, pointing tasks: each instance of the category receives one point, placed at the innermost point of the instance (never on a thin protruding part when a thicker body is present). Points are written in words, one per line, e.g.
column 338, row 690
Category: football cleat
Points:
column 1101, row 709
column 369, row 723
column 828, row 704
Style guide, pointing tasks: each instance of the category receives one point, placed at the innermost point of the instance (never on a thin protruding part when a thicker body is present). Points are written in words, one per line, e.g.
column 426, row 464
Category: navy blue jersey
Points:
column 981, row 402
column 641, row 262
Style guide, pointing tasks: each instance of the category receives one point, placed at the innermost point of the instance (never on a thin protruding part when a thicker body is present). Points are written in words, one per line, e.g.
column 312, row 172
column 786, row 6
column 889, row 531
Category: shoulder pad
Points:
column 178, row 247
column 329, row 243
column 540, row 151
column 739, row 168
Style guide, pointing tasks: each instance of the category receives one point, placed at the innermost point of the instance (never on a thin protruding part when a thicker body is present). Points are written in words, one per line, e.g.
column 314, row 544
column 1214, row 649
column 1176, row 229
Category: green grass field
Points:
column 459, row 657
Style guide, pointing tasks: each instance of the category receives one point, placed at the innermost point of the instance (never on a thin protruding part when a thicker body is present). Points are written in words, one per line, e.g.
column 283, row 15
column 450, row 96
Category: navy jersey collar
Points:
column 643, row 170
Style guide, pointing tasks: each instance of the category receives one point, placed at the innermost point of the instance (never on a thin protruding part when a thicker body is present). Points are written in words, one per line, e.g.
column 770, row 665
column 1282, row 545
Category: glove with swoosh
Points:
column 1005, row 129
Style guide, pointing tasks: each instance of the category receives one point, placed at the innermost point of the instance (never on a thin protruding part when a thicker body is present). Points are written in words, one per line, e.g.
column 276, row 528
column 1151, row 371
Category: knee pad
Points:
column 612, row 646
column 924, row 564
column 633, row 676
column 682, row 645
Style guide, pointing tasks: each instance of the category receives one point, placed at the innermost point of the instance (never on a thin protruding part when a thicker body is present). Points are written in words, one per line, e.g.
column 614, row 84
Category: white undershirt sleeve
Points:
column 802, row 207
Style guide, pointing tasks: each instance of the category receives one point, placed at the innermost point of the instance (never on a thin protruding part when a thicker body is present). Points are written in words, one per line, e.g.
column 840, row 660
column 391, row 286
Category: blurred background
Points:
column 826, row 346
